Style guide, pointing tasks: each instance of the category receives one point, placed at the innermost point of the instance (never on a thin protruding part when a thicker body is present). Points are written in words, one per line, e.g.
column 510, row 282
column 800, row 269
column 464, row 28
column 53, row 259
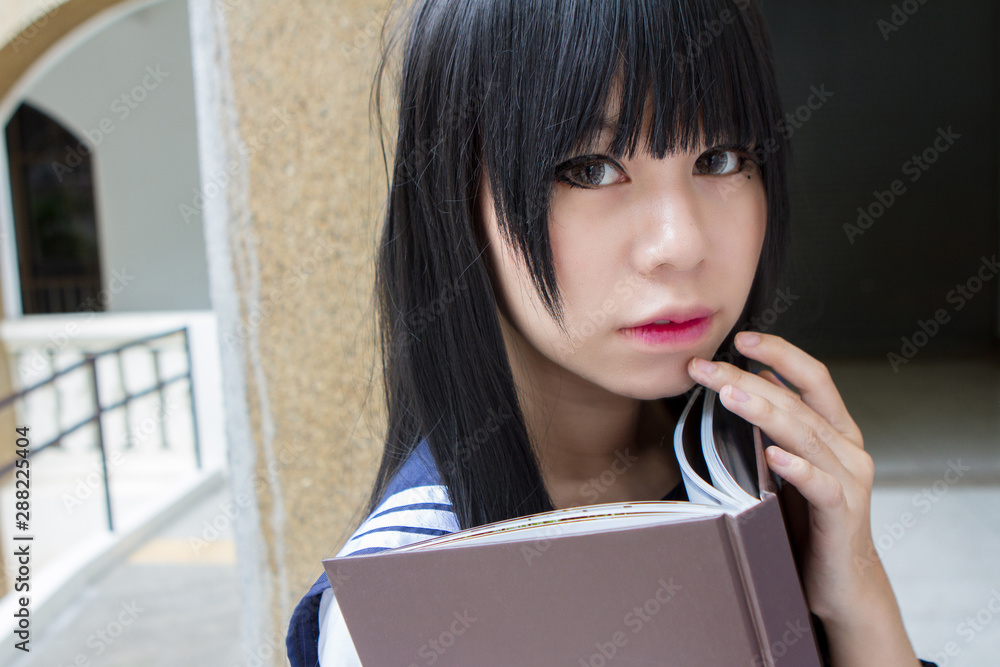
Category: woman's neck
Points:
column 594, row 446
column 591, row 462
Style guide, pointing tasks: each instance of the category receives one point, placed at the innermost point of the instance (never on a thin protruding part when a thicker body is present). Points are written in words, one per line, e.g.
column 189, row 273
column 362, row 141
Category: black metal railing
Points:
column 90, row 362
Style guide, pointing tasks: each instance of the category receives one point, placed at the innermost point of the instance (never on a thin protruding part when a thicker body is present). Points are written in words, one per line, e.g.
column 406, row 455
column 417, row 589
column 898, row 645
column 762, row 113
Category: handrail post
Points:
column 129, row 442
column 92, row 362
column 194, row 408
column 56, row 398
column 162, row 403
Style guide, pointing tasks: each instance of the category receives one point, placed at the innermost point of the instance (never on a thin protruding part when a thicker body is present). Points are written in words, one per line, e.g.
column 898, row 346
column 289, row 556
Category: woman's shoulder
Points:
column 415, row 507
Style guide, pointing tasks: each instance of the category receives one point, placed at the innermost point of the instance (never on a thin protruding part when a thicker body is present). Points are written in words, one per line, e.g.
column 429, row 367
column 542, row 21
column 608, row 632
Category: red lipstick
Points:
column 679, row 333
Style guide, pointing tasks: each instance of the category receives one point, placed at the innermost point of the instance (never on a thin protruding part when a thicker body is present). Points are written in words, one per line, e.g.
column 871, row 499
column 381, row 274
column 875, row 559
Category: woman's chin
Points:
column 656, row 388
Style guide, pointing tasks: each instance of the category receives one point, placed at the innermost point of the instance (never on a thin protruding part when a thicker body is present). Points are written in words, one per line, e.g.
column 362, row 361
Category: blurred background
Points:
column 189, row 195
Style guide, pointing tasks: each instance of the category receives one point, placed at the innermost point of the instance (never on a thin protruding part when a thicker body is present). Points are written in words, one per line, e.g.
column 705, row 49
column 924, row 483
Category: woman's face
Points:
column 644, row 240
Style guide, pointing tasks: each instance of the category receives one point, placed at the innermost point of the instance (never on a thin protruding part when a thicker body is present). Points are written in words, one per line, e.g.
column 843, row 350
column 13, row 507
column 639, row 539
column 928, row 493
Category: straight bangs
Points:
column 561, row 73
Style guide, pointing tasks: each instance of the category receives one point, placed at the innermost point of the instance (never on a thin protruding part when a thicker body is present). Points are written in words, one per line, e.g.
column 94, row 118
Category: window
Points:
column 55, row 224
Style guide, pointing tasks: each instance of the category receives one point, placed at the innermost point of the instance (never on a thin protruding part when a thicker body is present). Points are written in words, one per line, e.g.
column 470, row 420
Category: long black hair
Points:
column 512, row 86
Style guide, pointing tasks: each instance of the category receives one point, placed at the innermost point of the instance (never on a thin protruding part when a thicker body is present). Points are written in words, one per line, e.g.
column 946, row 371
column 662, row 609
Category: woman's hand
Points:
column 821, row 453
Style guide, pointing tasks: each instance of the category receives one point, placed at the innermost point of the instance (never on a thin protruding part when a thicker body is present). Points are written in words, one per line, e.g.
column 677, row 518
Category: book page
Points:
column 690, row 452
column 729, row 454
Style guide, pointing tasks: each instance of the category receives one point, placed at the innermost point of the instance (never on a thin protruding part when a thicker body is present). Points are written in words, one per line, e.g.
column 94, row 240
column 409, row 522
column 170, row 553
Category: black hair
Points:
column 512, row 87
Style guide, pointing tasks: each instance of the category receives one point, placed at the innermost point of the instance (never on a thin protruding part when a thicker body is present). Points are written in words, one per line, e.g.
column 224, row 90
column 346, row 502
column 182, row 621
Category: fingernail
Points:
column 779, row 456
column 706, row 367
column 738, row 394
column 749, row 339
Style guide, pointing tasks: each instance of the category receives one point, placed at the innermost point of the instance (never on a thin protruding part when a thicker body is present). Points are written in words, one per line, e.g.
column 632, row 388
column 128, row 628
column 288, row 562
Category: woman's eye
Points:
column 589, row 173
column 718, row 162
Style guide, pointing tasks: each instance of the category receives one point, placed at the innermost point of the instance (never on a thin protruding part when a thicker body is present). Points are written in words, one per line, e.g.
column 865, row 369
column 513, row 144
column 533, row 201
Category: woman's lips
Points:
column 670, row 335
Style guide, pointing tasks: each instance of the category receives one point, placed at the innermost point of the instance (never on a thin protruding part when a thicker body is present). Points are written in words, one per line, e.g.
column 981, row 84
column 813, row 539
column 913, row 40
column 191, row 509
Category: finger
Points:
column 773, row 379
column 808, row 437
column 806, row 373
column 717, row 374
column 822, row 490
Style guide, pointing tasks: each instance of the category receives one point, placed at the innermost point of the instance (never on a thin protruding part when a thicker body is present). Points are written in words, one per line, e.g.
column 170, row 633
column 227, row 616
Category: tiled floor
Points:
column 173, row 602
column 934, row 430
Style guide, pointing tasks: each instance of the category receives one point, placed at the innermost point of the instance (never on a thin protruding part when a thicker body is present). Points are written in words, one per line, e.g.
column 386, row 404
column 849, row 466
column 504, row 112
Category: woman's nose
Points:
column 671, row 231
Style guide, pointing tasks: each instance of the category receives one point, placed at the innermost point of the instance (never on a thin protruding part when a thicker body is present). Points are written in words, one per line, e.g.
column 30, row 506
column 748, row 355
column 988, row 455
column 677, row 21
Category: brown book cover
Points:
column 653, row 588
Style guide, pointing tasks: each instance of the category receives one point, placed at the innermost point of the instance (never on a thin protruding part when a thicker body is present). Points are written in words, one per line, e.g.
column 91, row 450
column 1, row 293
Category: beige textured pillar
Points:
column 282, row 95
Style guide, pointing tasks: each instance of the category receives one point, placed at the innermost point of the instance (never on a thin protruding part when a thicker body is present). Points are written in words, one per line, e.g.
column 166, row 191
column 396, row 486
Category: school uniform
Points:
column 416, row 508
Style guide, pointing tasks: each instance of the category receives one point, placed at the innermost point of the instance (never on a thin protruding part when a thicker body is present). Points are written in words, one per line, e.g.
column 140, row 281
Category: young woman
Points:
column 588, row 203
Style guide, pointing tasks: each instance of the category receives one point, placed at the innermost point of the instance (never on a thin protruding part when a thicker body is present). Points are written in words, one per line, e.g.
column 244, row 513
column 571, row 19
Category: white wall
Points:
column 128, row 93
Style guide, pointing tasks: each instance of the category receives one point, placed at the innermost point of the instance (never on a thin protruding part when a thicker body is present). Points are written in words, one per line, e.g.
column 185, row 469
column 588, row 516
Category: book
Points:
column 708, row 582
